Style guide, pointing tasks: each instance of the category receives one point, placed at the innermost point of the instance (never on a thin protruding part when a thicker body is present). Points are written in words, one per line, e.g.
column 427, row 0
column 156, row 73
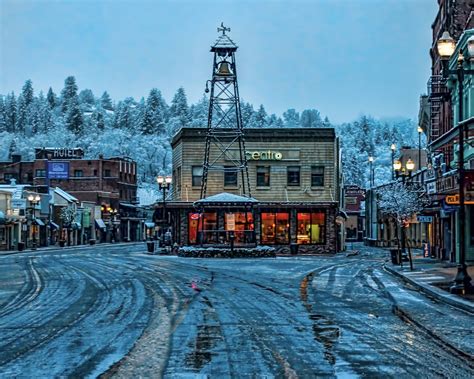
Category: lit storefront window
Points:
column 275, row 228
column 241, row 224
column 208, row 227
column 311, row 228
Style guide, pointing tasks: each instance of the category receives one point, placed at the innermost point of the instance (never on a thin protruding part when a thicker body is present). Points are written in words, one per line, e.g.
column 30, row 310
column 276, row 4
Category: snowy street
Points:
column 116, row 310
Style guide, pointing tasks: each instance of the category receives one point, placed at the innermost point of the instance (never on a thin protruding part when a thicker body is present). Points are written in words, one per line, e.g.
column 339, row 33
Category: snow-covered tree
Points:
column 52, row 100
column 106, row 101
column 69, row 93
column 74, row 118
column 291, row 118
column 261, row 117
column 179, row 108
column 310, row 118
column 10, row 112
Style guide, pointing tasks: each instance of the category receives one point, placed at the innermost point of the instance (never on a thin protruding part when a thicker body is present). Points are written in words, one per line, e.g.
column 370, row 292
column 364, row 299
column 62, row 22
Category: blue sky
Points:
column 342, row 57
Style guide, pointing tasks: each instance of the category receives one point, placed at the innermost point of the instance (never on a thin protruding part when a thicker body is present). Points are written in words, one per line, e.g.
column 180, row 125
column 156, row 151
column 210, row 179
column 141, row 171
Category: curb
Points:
column 452, row 300
column 67, row 248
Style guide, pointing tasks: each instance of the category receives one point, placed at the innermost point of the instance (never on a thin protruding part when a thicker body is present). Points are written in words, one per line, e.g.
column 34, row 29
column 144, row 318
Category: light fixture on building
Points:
column 446, row 45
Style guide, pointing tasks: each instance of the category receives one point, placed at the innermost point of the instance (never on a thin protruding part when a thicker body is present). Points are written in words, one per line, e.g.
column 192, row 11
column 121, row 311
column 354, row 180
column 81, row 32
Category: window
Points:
column 263, row 176
column 317, row 176
column 78, row 173
column 197, row 176
column 230, row 176
column 311, row 227
column 95, row 172
column 241, row 223
column 8, row 176
column 208, row 226
column 293, row 175
column 107, row 173
column 40, row 173
column 275, row 228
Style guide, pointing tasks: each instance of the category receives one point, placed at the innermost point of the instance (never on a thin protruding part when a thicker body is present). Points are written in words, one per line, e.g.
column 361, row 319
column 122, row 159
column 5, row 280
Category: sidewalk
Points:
column 75, row 247
column 434, row 278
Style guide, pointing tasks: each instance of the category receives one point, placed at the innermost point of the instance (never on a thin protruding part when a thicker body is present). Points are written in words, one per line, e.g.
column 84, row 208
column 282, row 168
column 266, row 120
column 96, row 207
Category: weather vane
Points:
column 223, row 29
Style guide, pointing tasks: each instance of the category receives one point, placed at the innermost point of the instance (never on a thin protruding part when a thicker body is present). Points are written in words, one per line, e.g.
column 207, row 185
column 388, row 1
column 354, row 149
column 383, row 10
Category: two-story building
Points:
column 294, row 178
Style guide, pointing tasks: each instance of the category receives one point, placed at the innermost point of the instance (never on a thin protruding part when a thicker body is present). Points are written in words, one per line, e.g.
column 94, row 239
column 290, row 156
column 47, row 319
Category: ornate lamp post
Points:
column 420, row 130
column 34, row 201
column 393, row 147
column 446, row 47
column 401, row 171
column 164, row 184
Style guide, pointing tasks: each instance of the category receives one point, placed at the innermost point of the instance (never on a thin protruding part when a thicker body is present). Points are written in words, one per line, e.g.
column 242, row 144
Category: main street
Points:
column 117, row 311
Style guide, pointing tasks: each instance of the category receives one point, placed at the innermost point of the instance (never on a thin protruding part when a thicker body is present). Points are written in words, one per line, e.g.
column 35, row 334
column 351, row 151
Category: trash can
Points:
column 394, row 256
column 293, row 248
column 150, row 247
column 21, row 246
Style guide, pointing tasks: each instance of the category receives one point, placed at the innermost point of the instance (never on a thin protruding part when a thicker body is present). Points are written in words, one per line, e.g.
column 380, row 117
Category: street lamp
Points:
column 393, row 147
column 34, row 201
column 371, row 170
column 403, row 171
column 420, row 130
column 446, row 47
column 164, row 184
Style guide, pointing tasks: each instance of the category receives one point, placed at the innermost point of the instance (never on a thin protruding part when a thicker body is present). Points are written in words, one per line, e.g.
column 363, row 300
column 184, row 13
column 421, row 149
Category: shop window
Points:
column 40, row 173
column 208, row 227
column 275, row 228
column 241, row 223
column 293, row 175
column 263, row 176
column 107, row 173
column 230, row 176
column 8, row 176
column 317, row 176
column 78, row 173
column 197, row 176
column 311, row 227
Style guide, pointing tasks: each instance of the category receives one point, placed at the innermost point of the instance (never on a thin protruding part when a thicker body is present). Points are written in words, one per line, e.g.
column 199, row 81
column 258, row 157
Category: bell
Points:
column 224, row 69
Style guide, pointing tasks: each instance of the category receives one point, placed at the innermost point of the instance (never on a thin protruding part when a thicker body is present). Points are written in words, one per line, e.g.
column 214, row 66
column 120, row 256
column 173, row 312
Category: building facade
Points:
column 294, row 177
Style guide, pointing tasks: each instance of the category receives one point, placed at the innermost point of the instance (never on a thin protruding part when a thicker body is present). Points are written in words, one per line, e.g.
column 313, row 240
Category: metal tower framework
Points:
column 224, row 126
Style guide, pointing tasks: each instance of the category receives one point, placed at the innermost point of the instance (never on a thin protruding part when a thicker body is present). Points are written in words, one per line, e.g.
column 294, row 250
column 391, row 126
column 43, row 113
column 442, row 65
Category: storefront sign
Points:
column 58, row 170
column 18, row 204
column 264, row 155
column 454, row 199
column 431, row 188
column 230, row 224
column 427, row 219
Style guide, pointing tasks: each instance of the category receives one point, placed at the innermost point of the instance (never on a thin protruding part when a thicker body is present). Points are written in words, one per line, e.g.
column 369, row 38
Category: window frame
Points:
column 288, row 172
column 323, row 226
column 195, row 177
column 227, row 173
column 76, row 172
column 266, row 176
column 318, row 175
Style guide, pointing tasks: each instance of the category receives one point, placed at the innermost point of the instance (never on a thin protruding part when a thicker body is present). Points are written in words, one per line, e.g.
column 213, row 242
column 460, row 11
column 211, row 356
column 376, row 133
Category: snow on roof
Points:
column 66, row 196
column 226, row 197
column 224, row 41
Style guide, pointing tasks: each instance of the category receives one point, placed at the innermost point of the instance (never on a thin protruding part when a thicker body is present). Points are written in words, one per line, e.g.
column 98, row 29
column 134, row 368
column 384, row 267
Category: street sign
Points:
column 18, row 203
column 421, row 218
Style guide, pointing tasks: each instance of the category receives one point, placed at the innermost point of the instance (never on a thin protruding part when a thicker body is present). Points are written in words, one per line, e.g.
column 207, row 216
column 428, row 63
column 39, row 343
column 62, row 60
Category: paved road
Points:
column 118, row 312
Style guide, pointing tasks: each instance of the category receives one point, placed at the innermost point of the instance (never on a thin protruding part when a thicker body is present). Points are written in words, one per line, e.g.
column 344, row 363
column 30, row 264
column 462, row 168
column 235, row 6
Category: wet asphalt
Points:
column 115, row 311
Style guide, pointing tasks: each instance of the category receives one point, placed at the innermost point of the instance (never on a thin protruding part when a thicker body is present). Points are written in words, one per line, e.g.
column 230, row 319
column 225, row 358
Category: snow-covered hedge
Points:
column 225, row 252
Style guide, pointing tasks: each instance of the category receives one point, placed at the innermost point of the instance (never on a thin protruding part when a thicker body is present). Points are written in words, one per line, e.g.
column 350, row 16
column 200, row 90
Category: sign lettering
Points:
column 264, row 155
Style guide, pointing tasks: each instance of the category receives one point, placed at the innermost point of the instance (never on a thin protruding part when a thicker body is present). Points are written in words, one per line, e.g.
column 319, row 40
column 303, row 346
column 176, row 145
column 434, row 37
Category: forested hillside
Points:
column 142, row 129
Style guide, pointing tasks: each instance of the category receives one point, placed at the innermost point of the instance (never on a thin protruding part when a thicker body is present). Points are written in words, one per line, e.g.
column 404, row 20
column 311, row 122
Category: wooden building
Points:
column 294, row 177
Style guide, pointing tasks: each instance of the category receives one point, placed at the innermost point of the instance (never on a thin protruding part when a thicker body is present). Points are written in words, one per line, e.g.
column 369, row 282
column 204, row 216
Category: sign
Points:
column 230, row 218
column 59, row 153
column 58, row 170
column 426, row 250
column 194, row 216
column 264, row 155
column 427, row 219
column 431, row 188
column 454, row 199
column 18, row 203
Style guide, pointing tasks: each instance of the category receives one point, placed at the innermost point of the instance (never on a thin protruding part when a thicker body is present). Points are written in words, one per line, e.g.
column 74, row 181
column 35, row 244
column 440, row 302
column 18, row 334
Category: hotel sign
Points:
column 268, row 155
column 58, row 170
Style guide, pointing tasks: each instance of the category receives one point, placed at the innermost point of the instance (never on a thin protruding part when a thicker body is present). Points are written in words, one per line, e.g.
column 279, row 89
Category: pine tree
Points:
column 51, row 97
column 310, row 118
column 3, row 115
column 261, row 117
column 291, row 118
column 68, row 93
column 11, row 112
column 74, row 119
column 106, row 101
column 86, row 98
column 155, row 114
column 179, row 108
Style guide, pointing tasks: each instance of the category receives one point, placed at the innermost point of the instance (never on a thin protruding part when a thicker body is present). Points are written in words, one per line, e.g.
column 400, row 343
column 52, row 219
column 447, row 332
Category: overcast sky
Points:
column 342, row 57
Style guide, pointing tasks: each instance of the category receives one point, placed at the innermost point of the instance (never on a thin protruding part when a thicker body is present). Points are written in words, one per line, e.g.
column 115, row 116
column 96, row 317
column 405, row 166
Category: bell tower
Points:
column 225, row 136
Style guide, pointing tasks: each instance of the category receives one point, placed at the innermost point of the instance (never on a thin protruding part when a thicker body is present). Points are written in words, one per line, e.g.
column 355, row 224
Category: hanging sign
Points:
column 18, row 203
column 421, row 218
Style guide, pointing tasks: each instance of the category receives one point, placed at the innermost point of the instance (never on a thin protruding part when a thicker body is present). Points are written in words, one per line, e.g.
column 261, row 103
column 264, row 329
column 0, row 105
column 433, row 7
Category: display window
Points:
column 275, row 228
column 242, row 225
column 208, row 227
column 311, row 227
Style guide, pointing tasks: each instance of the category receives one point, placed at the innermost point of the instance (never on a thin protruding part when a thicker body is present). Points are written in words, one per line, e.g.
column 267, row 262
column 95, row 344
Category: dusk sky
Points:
column 342, row 57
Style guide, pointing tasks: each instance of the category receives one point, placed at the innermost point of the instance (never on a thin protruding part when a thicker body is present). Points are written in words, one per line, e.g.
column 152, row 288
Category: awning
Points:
column 38, row 221
column 53, row 225
column 100, row 223
column 149, row 224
